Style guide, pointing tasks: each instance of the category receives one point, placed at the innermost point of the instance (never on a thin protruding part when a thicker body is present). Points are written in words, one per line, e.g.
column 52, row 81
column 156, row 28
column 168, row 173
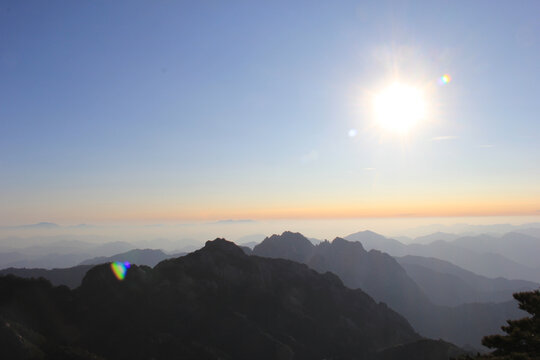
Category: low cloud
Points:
column 231, row 221
column 39, row 226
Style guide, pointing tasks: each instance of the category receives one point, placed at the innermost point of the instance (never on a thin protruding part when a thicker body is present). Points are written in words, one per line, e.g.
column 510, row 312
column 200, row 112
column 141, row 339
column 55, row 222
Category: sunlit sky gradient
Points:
column 163, row 111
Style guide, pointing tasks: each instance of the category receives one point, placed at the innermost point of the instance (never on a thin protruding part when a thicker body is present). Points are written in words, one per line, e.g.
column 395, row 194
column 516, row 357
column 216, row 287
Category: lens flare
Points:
column 119, row 269
column 445, row 79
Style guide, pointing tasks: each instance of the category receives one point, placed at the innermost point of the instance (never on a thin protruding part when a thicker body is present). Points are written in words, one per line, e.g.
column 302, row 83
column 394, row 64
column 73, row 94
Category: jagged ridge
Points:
column 214, row 303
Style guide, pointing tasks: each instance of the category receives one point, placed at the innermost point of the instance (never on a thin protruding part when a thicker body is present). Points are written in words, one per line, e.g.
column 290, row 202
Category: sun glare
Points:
column 398, row 108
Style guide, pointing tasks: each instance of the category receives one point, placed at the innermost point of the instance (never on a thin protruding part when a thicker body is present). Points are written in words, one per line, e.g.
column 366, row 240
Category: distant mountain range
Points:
column 148, row 257
column 437, row 236
column 426, row 290
column 250, row 240
column 385, row 280
column 59, row 254
column 72, row 276
column 521, row 248
column 440, row 286
column 471, row 230
column 512, row 256
column 40, row 225
column 215, row 303
column 447, row 284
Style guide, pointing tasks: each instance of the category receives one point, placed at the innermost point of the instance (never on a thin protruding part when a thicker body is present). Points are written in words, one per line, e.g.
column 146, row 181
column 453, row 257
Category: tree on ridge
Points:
column 522, row 339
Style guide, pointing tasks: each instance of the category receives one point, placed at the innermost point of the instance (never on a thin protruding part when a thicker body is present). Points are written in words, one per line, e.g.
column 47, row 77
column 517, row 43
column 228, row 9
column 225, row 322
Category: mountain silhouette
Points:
column 215, row 303
column 471, row 253
column 521, row 248
column 148, row 257
column 70, row 277
column 447, row 284
column 61, row 253
column 439, row 235
column 289, row 245
column 381, row 276
column 373, row 241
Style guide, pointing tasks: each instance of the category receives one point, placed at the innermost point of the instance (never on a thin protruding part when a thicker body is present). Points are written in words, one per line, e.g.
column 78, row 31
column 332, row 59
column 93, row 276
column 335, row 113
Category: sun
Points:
column 399, row 108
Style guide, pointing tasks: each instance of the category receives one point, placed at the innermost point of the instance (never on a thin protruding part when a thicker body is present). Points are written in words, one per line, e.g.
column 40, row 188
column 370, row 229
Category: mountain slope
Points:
column 447, row 284
column 375, row 272
column 58, row 253
column 485, row 264
column 373, row 241
column 383, row 278
column 148, row 257
column 482, row 261
column 289, row 245
column 70, row 277
column 422, row 350
column 427, row 239
column 215, row 303
column 521, row 248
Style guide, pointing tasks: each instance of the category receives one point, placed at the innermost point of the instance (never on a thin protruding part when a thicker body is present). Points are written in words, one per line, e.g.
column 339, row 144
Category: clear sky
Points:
column 165, row 111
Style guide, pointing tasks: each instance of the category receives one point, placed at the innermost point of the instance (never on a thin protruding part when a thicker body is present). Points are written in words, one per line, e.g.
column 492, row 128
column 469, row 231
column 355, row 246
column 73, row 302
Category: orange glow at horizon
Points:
column 335, row 211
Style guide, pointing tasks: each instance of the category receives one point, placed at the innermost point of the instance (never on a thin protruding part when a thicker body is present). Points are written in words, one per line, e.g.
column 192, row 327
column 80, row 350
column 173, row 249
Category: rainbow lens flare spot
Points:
column 119, row 269
column 445, row 79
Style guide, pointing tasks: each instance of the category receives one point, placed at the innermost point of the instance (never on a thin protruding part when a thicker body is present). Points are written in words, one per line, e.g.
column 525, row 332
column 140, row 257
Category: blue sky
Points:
column 164, row 111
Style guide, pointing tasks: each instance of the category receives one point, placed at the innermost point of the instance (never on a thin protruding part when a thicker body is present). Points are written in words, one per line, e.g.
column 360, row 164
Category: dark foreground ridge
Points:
column 215, row 303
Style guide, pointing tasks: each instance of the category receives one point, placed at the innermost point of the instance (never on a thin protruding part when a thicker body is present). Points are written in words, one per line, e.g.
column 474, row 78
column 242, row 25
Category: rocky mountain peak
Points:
column 222, row 246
